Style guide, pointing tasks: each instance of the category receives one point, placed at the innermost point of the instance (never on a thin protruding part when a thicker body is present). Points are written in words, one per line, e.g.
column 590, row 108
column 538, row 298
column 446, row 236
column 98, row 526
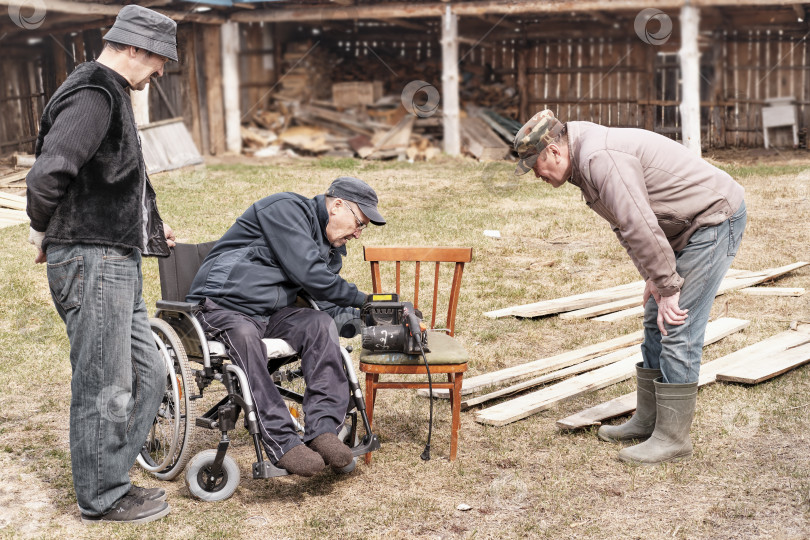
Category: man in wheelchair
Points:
column 247, row 286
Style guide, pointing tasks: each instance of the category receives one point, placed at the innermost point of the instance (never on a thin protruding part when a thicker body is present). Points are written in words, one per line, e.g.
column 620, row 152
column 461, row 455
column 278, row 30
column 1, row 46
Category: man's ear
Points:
column 554, row 150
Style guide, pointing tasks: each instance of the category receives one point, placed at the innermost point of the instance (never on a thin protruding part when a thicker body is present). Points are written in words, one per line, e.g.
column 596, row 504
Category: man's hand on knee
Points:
column 670, row 312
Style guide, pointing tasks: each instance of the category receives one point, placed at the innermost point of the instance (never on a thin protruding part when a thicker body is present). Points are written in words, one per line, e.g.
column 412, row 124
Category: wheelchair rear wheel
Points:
column 290, row 382
column 165, row 452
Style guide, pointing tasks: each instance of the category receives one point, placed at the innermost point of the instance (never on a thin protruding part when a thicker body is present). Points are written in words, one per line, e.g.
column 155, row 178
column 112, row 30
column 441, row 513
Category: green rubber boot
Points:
column 670, row 441
column 642, row 424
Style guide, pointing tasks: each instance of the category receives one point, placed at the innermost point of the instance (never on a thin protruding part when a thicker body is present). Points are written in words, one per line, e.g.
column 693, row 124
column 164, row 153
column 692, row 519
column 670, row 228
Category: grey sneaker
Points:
column 131, row 510
column 150, row 494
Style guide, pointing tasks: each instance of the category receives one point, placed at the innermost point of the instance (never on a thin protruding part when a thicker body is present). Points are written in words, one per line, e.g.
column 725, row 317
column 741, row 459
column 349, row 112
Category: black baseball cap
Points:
column 355, row 190
column 145, row 29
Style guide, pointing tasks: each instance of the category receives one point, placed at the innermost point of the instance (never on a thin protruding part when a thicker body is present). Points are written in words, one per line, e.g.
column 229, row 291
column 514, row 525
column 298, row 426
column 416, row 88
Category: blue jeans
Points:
column 118, row 376
column 702, row 264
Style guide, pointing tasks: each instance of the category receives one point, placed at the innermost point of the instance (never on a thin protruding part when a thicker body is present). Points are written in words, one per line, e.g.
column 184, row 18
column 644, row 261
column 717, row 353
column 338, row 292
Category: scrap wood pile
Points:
column 599, row 365
column 336, row 106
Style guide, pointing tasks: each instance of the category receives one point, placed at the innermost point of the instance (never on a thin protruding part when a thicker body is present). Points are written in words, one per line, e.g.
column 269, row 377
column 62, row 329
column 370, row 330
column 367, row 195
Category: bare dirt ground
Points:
column 749, row 477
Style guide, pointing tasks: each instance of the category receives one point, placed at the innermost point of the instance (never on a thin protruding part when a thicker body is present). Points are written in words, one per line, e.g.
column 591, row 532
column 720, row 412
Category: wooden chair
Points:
column 446, row 355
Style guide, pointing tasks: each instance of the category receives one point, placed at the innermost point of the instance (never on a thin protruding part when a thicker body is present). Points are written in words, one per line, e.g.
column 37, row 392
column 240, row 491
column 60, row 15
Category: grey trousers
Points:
column 314, row 337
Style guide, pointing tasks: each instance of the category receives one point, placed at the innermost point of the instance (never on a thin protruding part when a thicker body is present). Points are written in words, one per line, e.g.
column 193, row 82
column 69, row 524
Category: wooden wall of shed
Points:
column 30, row 74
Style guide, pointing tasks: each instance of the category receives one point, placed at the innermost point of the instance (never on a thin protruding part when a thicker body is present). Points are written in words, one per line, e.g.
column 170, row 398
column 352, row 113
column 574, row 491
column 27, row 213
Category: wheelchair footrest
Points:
column 265, row 469
column 366, row 446
column 207, row 423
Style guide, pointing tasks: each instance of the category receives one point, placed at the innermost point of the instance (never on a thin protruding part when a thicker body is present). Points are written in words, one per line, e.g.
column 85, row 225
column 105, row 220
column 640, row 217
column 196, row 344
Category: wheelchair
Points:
column 193, row 363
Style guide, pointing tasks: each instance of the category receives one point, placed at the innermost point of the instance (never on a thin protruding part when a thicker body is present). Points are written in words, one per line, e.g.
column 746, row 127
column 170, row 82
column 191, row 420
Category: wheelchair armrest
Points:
column 182, row 307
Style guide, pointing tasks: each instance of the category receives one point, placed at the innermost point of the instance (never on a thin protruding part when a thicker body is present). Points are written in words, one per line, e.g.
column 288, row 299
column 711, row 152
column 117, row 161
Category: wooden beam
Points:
column 450, row 110
column 525, row 406
column 140, row 105
column 213, row 89
column 474, row 8
column 690, row 78
column 87, row 8
column 230, row 87
column 405, row 24
column 708, row 375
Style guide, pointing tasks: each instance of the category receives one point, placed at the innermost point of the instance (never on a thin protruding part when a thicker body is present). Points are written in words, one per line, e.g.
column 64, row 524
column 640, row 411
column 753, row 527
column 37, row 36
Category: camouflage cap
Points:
column 533, row 138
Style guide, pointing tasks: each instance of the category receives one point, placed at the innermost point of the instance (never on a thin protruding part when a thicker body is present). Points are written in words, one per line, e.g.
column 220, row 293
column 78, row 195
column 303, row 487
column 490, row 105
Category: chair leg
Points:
column 455, row 406
column 371, row 393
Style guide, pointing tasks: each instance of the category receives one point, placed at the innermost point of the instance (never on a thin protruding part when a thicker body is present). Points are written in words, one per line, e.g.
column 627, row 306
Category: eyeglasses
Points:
column 360, row 224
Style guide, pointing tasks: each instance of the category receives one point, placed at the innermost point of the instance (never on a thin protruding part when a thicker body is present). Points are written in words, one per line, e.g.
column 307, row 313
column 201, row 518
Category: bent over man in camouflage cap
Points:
column 681, row 220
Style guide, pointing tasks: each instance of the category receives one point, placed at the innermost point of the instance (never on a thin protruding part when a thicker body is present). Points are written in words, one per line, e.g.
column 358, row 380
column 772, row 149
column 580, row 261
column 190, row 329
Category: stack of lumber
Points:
column 12, row 210
column 307, row 73
column 618, row 366
column 478, row 139
column 624, row 301
column 13, row 180
column 750, row 365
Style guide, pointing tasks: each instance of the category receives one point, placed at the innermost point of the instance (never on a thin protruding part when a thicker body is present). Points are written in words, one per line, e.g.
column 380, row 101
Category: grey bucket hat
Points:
column 145, row 29
column 355, row 190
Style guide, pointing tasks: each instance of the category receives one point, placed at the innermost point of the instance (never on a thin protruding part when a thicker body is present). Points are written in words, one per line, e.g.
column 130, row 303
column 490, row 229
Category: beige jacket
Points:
column 652, row 190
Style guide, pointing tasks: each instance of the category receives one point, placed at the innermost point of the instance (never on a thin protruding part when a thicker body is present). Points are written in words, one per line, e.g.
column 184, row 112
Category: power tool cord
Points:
column 415, row 330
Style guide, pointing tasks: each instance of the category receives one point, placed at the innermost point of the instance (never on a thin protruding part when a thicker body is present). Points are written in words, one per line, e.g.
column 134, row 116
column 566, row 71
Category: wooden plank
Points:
column 626, row 404
column 758, row 370
column 481, row 141
column 7, row 200
column 773, row 291
column 525, row 406
column 570, row 303
column 601, row 309
column 729, row 283
column 543, row 365
column 13, row 215
column 576, row 369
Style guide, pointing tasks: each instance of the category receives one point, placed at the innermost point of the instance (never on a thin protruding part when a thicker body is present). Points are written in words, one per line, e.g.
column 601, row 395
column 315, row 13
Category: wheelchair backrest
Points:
column 177, row 271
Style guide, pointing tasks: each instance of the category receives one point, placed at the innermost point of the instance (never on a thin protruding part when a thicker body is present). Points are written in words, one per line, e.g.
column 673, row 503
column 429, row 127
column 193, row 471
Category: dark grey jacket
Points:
column 98, row 195
column 275, row 250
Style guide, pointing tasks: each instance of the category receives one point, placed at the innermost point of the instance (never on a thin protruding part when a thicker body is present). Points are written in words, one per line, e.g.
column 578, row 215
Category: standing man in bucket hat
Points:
column 681, row 220
column 93, row 215
column 284, row 245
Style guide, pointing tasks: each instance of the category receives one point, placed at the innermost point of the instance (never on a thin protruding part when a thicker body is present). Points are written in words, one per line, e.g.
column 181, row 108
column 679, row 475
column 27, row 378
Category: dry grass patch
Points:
column 749, row 476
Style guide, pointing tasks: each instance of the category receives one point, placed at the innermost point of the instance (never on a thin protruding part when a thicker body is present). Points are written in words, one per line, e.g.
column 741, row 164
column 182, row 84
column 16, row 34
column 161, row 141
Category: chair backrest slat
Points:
column 416, row 285
column 438, row 255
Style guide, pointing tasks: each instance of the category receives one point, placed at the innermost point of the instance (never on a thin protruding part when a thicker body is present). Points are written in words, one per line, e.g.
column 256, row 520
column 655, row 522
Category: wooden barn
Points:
column 712, row 73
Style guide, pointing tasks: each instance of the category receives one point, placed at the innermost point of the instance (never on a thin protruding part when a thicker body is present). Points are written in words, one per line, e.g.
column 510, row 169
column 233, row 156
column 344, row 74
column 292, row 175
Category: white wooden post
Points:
column 449, row 103
column 140, row 105
column 230, row 87
column 690, row 78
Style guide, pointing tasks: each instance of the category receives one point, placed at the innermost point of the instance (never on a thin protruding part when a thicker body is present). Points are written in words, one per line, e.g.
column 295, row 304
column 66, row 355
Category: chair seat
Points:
column 443, row 350
column 276, row 348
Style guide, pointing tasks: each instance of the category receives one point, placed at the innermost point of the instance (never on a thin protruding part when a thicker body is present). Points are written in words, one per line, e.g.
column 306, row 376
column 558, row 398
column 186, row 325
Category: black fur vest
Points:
column 110, row 201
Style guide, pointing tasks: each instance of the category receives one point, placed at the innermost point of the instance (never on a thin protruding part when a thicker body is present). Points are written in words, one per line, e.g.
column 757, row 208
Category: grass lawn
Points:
column 750, row 474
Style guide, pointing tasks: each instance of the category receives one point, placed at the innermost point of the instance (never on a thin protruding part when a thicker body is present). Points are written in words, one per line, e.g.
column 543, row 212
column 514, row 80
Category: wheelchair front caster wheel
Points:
column 348, row 468
column 207, row 487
